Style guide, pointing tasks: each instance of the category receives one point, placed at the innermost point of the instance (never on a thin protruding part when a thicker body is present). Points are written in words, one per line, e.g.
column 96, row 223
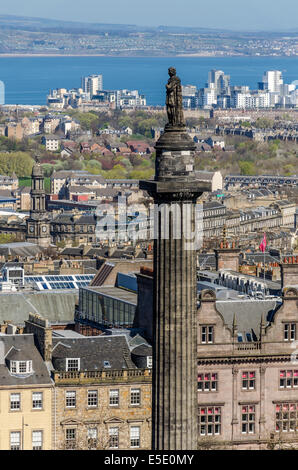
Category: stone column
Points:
column 175, row 191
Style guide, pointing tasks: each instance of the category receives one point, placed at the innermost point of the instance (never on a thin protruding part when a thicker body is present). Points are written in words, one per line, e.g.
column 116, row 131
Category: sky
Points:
column 245, row 15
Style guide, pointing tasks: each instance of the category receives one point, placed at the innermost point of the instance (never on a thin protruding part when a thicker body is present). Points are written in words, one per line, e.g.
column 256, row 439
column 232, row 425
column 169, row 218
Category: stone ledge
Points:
column 169, row 187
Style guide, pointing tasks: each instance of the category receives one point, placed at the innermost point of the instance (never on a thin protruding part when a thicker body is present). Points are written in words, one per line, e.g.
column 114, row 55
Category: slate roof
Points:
column 25, row 249
column 55, row 306
column 138, row 341
column 69, row 219
column 93, row 351
column 80, row 189
column 204, row 175
column 21, row 347
column 73, row 251
column 142, row 350
column 248, row 313
column 207, row 259
column 259, row 258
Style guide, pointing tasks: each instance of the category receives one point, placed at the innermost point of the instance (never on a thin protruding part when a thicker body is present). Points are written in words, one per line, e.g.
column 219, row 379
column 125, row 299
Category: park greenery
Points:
column 242, row 155
column 249, row 157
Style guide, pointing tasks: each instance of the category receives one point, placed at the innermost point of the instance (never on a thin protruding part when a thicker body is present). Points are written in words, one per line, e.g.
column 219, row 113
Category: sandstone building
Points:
column 26, row 392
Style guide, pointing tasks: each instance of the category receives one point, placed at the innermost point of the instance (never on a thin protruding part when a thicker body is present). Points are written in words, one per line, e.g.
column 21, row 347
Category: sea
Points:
column 28, row 80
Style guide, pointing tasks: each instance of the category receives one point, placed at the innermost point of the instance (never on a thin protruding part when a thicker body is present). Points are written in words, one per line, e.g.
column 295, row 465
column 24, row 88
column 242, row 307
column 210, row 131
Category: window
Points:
column 114, row 397
column 15, row 401
column 209, row 421
column 37, row 440
column 149, row 362
column 207, row 334
column 207, row 382
column 248, row 419
column 92, row 398
column 290, row 331
column 37, row 400
column 135, row 396
column 135, row 436
column 70, row 438
column 20, row 367
column 70, row 399
column 92, row 438
column 15, row 441
column 288, row 379
column 72, row 365
column 113, row 438
column 286, row 417
column 248, row 380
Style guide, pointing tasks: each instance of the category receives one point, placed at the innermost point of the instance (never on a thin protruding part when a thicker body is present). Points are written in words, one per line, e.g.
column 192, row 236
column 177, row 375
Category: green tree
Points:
column 247, row 168
column 117, row 172
column 7, row 238
column 19, row 162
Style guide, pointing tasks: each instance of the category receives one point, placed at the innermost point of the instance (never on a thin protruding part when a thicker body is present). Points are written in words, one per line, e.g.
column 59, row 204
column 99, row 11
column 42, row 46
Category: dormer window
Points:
column 72, row 365
column 20, row 367
column 106, row 364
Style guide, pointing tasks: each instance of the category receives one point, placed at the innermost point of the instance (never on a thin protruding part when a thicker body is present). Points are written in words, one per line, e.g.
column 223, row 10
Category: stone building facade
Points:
column 74, row 227
column 247, row 390
column 104, row 415
column 102, row 389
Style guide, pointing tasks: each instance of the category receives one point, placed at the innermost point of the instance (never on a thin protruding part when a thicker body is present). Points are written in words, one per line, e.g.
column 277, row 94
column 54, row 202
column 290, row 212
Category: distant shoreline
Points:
column 211, row 56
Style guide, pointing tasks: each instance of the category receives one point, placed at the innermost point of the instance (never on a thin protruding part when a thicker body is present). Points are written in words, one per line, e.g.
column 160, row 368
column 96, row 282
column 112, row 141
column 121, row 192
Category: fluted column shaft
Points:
column 175, row 331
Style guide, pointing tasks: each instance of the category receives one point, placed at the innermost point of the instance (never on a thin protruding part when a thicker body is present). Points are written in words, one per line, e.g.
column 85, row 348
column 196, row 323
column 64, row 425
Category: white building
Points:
column 92, row 84
column 251, row 100
column 189, row 90
column 129, row 99
column 207, row 97
column 51, row 142
column 272, row 81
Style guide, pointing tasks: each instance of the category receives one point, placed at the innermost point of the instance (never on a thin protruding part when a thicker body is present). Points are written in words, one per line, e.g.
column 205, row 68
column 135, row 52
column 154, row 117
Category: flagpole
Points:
column 264, row 270
column 262, row 247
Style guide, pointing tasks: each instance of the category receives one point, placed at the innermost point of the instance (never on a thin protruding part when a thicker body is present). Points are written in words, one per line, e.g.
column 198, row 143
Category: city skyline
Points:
column 194, row 14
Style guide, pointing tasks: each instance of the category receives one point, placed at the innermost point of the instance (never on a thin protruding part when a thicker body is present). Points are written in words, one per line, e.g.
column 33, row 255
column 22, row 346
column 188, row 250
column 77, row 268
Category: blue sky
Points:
column 226, row 14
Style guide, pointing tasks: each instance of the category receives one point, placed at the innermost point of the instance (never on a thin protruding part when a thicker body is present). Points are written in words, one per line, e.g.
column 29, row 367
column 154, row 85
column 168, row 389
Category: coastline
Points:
column 195, row 55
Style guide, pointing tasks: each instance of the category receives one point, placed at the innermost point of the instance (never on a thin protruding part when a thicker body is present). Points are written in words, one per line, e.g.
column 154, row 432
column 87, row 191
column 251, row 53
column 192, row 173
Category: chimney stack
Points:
column 289, row 271
column 227, row 256
column 39, row 327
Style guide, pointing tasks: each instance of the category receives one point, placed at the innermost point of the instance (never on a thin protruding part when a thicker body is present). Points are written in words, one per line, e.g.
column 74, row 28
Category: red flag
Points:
column 263, row 244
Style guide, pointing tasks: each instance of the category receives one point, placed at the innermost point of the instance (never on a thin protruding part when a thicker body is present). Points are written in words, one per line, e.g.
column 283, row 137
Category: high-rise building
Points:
column 189, row 90
column 218, row 80
column 207, row 97
column 272, row 81
column 92, row 84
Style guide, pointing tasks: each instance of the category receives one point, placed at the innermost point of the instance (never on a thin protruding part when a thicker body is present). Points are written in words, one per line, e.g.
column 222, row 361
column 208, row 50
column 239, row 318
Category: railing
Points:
column 124, row 375
column 248, row 346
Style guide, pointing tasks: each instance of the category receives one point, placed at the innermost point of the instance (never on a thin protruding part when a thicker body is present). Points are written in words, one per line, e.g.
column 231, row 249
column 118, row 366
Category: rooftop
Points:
column 115, row 292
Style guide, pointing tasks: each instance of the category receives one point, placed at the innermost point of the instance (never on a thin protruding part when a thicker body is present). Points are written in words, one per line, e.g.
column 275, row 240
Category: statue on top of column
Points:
column 174, row 100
